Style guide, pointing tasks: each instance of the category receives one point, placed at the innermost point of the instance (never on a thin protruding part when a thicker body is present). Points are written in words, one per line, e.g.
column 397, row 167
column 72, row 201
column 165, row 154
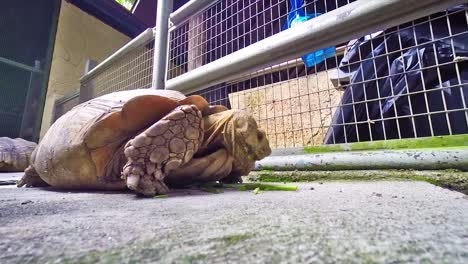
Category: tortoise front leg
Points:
column 31, row 179
column 213, row 167
column 166, row 145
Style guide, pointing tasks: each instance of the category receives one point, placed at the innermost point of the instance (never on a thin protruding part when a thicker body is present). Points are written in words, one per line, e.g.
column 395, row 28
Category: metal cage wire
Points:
column 131, row 71
column 408, row 81
column 228, row 26
column 301, row 106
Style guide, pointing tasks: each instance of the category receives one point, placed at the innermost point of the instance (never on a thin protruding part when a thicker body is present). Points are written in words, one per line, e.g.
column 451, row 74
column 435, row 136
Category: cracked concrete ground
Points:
column 332, row 222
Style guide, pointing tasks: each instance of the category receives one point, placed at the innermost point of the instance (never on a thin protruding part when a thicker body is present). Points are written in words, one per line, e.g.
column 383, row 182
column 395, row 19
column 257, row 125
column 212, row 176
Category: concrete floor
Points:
column 333, row 222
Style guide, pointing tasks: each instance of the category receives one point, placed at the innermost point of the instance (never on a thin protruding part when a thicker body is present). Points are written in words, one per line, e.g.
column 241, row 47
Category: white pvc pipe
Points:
column 436, row 159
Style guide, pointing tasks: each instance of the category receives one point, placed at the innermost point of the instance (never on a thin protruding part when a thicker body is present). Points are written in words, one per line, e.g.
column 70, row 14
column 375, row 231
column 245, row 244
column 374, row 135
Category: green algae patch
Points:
column 248, row 187
column 261, row 187
column 455, row 141
column 192, row 258
column 450, row 179
column 230, row 240
column 138, row 253
column 455, row 182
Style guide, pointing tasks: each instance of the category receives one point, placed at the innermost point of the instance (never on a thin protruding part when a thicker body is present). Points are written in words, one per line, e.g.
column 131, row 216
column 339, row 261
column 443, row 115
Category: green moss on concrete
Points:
column 154, row 251
column 455, row 141
column 193, row 258
column 456, row 182
column 139, row 252
column 230, row 240
column 451, row 179
column 307, row 176
column 260, row 186
column 426, row 179
column 109, row 257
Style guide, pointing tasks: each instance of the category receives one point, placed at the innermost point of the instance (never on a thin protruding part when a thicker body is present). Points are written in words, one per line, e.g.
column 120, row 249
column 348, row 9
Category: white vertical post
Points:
column 164, row 9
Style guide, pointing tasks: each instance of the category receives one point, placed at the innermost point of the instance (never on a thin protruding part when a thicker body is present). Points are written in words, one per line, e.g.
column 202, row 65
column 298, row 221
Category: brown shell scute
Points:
column 83, row 148
column 15, row 153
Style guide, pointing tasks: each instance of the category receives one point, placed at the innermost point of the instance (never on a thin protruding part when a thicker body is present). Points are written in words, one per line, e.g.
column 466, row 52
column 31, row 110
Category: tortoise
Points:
column 146, row 140
column 15, row 154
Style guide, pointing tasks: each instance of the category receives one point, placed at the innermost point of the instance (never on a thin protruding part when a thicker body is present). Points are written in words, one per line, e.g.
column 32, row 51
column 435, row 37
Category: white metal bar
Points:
column 67, row 98
column 360, row 17
column 160, row 43
column 19, row 65
column 189, row 9
column 282, row 66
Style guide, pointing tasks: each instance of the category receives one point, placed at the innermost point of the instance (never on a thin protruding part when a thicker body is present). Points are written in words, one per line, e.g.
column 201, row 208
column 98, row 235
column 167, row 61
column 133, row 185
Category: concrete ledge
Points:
column 450, row 179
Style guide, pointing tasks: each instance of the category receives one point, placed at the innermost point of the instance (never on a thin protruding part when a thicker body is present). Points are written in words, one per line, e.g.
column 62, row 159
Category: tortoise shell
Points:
column 78, row 149
column 15, row 153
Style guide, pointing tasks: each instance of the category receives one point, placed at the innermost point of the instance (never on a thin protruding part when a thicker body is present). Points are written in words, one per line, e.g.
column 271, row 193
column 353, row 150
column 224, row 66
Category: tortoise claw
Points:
column 163, row 147
column 31, row 179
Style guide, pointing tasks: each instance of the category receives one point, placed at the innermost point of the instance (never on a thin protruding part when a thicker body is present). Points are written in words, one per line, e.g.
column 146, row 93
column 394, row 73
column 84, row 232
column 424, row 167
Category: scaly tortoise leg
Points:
column 166, row 145
column 210, row 168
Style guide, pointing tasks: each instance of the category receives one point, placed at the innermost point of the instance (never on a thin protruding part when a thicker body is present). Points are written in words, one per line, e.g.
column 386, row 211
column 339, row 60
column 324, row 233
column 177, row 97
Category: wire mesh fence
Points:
column 294, row 105
column 14, row 83
column 131, row 71
column 409, row 81
column 230, row 25
column 26, row 48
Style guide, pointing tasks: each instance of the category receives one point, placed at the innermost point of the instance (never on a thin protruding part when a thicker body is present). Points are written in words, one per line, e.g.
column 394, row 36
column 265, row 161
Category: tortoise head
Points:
column 243, row 138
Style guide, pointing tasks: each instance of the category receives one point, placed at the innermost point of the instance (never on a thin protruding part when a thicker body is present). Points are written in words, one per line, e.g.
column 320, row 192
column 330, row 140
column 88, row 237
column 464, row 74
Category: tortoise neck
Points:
column 215, row 130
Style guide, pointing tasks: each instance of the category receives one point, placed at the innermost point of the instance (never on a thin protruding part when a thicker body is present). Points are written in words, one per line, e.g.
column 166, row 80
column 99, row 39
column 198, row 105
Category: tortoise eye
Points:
column 260, row 135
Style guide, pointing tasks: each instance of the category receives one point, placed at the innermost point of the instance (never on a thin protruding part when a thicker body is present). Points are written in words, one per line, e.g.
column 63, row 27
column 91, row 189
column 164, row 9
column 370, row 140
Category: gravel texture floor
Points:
column 332, row 222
